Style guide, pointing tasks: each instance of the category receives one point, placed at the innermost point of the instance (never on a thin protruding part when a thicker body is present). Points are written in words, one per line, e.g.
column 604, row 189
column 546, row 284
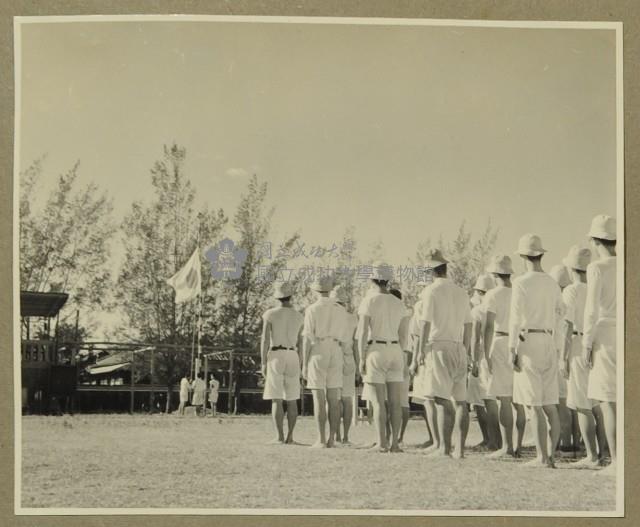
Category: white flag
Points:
column 187, row 280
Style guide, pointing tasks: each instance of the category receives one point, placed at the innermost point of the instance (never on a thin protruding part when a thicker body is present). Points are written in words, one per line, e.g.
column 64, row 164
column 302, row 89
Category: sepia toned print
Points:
column 265, row 262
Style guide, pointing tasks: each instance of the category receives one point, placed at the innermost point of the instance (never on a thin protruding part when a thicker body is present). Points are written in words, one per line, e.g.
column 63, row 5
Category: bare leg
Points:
column 395, row 392
column 600, row 435
column 277, row 413
column 539, row 424
column 575, row 430
column 506, row 422
column 405, row 422
column 521, row 424
column 333, row 398
column 588, row 429
column 462, row 427
column 379, row 414
column 320, row 414
column 554, row 428
column 431, row 440
column 448, row 416
column 347, row 417
column 434, row 421
column 565, row 423
column 493, row 424
column 609, row 418
column 292, row 417
column 481, row 414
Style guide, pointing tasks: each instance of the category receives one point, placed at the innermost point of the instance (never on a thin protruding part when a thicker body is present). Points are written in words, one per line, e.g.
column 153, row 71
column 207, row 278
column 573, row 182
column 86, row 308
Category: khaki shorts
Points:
column 602, row 377
column 536, row 384
column 348, row 375
column 324, row 370
column 578, row 378
column 478, row 387
column 501, row 378
column 283, row 375
column 385, row 363
column 446, row 370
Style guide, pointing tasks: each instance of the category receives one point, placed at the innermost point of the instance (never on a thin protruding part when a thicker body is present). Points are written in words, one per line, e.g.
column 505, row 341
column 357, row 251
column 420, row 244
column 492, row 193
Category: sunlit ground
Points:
column 168, row 461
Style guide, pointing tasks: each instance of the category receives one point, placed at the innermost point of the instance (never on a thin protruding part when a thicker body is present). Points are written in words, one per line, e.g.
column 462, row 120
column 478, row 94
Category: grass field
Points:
column 167, row 461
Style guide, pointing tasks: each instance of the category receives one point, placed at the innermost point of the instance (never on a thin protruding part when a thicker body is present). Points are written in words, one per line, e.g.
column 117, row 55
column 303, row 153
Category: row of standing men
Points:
column 532, row 349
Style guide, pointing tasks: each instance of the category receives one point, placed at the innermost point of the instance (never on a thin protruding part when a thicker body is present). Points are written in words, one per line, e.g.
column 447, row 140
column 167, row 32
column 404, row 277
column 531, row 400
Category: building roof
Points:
column 34, row 304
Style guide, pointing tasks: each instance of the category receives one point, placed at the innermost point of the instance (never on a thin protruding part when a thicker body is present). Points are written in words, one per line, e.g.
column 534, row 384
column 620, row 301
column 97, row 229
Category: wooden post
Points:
column 133, row 371
column 153, row 367
column 206, row 386
column 230, row 387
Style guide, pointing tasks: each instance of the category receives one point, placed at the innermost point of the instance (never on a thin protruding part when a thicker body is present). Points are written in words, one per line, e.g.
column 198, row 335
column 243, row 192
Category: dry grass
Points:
column 167, row 461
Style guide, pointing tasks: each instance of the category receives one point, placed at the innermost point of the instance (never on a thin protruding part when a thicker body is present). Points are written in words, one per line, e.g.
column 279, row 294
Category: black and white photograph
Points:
column 290, row 265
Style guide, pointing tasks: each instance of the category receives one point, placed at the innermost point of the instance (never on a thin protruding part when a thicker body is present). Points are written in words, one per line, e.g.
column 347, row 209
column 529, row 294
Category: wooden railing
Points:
column 42, row 351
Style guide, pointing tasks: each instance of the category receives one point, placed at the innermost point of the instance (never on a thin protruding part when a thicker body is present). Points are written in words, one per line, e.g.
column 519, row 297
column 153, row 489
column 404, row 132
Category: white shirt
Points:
column 349, row 325
column 575, row 298
column 214, row 385
column 323, row 319
column 536, row 302
column 498, row 302
column 601, row 296
column 446, row 307
column 184, row 386
column 285, row 326
column 386, row 312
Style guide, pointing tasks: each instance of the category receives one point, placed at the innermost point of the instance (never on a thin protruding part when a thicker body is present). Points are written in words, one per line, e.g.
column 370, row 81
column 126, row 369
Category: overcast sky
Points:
column 400, row 131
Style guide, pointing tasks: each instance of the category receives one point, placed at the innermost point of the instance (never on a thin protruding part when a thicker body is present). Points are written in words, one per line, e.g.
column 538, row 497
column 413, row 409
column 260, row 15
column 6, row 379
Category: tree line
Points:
column 66, row 244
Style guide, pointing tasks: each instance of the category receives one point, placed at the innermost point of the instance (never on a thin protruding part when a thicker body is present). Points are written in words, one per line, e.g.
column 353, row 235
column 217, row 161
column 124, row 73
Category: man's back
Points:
column 446, row 306
column 323, row 319
column 386, row 312
column 285, row 325
column 536, row 303
column 498, row 301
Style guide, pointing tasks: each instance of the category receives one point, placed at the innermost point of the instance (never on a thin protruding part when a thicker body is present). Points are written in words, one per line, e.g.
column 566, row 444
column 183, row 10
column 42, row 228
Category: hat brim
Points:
column 531, row 253
column 495, row 270
column 432, row 264
column 572, row 265
column 602, row 236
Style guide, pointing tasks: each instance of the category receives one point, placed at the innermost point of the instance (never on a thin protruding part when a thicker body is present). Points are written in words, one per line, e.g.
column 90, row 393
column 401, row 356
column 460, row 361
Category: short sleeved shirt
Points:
column 386, row 313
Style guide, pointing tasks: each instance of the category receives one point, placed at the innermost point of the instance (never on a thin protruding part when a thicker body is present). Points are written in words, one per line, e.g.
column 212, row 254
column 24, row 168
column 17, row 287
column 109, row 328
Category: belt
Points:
column 547, row 331
column 383, row 342
column 578, row 333
column 326, row 338
column 276, row 348
column 502, row 334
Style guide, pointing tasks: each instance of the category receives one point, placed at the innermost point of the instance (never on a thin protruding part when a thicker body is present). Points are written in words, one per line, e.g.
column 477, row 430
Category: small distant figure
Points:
column 199, row 390
column 214, row 390
column 185, row 384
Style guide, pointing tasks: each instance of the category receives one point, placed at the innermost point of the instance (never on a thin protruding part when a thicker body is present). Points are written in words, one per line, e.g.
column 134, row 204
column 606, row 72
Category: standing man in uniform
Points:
column 478, row 396
column 322, row 359
column 281, row 361
column 445, row 337
column 536, row 303
column 496, row 349
column 381, row 339
column 573, row 367
column 599, row 340
column 406, row 383
column 418, row 371
column 185, row 386
column 349, row 361
column 561, row 275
